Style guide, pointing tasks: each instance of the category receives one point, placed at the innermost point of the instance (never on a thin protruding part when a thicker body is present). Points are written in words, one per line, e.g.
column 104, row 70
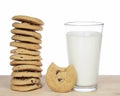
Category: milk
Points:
column 83, row 53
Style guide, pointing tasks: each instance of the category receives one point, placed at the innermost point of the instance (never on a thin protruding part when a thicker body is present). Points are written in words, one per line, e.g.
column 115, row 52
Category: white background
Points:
column 55, row 13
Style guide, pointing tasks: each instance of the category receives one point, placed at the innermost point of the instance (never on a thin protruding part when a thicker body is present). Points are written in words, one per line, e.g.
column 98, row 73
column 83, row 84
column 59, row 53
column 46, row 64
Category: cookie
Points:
column 26, row 39
column 27, row 26
column 61, row 79
column 26, row 45
column 25, row 87
column 25, row 57
column 25, row 81
column 26, row 33
column 24, row 52
column 26, row 67
column 28, row 19
column 15, row 63
column 26, row 74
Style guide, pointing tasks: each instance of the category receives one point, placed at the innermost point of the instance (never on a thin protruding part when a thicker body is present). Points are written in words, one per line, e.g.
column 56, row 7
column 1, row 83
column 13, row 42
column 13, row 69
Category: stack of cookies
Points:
column 26, row 59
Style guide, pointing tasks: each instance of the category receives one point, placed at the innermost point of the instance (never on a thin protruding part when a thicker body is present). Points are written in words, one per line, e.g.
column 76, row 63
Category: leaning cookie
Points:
column 25, row 81
column 23, row 62
column 26, row 39
column 61, row 79
column 28, row 19
column 26, row 33
column 27, row 26
column 26, row 67
column 26, row 87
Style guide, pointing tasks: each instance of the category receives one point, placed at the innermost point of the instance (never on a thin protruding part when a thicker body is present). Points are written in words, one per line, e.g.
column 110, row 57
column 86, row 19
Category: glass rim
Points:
column 83, row 23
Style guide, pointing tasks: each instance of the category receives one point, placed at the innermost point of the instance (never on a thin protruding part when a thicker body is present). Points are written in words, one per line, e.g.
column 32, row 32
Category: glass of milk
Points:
column 83, row 45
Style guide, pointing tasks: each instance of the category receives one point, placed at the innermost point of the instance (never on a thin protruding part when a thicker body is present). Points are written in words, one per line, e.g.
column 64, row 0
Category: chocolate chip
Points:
column 58, row 71
column 21, row 56
column 38, row 84
column 59, row 79
column 32, row 81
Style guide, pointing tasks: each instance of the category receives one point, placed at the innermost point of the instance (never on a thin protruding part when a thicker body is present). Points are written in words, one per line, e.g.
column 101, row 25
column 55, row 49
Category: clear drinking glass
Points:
column 83, row 45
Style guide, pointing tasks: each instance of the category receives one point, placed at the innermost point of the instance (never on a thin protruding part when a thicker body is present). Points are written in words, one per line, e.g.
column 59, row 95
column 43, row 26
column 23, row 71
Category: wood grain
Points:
column 107, row 86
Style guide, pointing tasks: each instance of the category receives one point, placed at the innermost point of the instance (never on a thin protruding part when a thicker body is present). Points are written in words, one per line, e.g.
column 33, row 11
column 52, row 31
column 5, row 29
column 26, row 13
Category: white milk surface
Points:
column 83, row 53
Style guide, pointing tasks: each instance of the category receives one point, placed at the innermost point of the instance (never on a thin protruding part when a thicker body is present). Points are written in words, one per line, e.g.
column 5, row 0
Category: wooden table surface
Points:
column 107, row 86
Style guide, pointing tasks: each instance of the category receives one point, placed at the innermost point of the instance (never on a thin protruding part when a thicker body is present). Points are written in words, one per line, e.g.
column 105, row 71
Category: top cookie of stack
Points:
column 26, row 57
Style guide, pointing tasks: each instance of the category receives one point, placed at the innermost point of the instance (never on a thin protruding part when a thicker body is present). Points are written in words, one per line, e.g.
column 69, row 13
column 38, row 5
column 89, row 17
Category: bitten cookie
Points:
column 61, row 79
column 28, row 19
